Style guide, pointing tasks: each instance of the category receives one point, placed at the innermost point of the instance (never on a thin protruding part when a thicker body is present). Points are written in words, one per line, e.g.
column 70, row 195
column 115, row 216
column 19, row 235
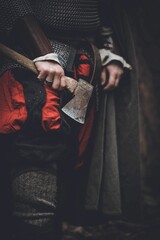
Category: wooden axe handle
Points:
column 71, row 83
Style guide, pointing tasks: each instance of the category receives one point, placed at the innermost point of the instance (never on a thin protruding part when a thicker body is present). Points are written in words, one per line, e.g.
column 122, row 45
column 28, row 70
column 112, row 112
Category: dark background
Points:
column 145, row 23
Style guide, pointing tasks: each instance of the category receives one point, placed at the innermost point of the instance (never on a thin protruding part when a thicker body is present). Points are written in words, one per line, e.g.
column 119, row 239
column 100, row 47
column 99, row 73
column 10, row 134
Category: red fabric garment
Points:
column 83, row 66
column 13, row 111
column 51, row 119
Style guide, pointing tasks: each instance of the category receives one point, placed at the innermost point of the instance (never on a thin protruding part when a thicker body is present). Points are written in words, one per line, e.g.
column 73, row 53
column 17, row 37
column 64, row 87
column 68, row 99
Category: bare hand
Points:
column 110, row 75
column 53, row 72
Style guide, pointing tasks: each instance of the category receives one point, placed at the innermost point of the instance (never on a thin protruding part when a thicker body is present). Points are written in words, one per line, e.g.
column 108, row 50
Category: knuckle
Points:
column 56, row 82
column 55, row 86
column 41, row 76
column 61, row 71
column 51, row 71
column 57, row 71
column 63, row 84
column 44, row 69
column 41, row 69
column 115, row 71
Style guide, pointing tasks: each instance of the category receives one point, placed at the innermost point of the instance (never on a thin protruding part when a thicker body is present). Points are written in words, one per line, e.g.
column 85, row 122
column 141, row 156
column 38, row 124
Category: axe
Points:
column 76, row 108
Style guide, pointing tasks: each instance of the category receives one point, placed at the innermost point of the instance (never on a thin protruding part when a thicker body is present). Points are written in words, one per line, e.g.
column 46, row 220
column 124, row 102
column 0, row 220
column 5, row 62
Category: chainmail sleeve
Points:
column 11, row 11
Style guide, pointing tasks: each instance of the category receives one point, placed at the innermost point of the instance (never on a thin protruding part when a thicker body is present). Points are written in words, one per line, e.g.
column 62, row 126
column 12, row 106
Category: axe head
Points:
column 76, row 108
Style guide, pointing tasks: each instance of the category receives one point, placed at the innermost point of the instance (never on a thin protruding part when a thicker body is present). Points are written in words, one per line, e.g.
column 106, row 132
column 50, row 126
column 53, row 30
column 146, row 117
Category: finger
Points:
column 63, row 83
column 56, row 82
column 118, row 78
column 42, row 75
column 103, row 77
column 50, row 77
column 48, row 82
column 111, row 83
column 117, row 82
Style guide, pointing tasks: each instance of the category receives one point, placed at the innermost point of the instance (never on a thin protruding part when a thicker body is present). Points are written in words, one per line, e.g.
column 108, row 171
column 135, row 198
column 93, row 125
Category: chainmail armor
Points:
column 15, row 9
column 54, row 15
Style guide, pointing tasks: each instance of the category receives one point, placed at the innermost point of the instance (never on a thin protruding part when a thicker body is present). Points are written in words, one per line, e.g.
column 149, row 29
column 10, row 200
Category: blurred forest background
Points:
column 144, row 18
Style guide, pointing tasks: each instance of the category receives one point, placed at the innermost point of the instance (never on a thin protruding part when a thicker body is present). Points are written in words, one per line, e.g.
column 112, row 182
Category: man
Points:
column 44, row 143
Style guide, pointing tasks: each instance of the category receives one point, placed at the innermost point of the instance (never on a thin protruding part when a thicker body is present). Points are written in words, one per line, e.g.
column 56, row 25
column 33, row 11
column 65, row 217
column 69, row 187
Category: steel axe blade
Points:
column 76, row 108
column 82, row 90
